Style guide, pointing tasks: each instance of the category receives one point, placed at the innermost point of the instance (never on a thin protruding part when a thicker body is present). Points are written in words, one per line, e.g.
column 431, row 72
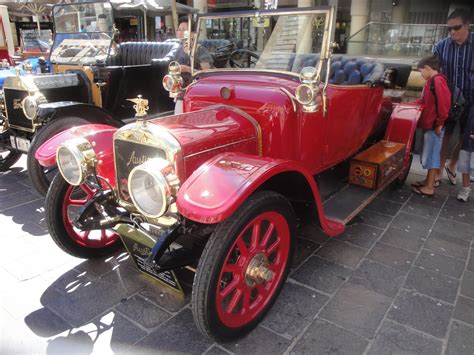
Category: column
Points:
column 168, row 22
column 7, row 28
column 359, row 18
column 201, row 5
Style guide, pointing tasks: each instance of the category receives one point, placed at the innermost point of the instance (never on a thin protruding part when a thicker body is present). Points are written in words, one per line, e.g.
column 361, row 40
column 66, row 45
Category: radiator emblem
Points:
column 17, row 104
column 134, row 160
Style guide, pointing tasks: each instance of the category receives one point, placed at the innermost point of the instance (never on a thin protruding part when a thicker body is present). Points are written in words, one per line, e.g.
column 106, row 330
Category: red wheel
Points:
column 243, row 267
column 63, row 205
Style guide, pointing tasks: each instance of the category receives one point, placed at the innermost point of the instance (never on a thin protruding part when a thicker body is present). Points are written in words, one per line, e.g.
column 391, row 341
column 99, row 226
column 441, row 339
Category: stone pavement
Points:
column 400, row 280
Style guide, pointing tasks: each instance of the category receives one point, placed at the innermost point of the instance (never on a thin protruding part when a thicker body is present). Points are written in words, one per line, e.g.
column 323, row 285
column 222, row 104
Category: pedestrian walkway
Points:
column 400, row 280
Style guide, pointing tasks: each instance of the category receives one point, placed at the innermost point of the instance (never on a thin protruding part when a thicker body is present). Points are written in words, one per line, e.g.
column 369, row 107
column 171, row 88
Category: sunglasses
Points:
column 455, row 28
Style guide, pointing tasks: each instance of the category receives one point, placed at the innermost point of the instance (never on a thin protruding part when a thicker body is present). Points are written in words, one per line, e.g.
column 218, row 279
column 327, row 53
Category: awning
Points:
column 29, row 8
column 151, row 7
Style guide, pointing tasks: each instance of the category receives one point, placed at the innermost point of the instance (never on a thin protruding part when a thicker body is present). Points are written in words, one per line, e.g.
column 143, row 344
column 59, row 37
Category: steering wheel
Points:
column 243, row 58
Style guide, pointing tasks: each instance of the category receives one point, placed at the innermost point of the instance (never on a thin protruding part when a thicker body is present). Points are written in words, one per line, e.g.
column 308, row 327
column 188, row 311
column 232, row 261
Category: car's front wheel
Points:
column 243, row 267
column 63, row 204
column 41, row 176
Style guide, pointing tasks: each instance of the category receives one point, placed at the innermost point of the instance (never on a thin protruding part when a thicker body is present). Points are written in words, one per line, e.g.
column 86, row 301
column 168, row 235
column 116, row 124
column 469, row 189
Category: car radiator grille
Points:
column 15, row 115
column 128, row 155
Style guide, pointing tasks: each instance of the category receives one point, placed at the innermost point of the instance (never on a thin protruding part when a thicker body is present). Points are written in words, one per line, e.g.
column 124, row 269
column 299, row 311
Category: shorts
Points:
column 430, row 157
column 464, row 162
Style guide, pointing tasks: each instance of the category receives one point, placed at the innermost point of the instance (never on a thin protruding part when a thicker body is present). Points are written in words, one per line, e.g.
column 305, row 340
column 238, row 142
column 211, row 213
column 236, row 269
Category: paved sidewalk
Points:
column 400, row 280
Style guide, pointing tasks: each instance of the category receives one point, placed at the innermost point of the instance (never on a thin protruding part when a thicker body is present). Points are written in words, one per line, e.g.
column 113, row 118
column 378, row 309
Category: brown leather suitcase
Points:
column 376, row 165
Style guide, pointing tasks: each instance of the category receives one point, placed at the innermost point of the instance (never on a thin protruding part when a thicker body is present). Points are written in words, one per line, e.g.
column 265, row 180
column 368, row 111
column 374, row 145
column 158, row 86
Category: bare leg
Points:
column 466, row 180
column 430, row 179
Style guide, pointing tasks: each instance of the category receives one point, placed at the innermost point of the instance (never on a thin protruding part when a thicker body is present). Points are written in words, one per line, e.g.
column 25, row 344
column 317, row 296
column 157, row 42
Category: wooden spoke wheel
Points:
column 243, row 267
column 63, row 205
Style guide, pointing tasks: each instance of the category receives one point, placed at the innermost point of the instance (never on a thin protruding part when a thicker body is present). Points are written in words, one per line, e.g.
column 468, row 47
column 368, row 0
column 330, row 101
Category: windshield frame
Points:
column 325, row 47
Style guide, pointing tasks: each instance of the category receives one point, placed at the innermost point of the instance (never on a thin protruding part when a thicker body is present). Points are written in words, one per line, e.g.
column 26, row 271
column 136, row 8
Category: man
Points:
column 202, row 58
column 456, row 53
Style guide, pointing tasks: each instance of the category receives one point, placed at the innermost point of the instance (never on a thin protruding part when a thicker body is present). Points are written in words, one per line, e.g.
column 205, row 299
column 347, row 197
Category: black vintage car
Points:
column 91, row 82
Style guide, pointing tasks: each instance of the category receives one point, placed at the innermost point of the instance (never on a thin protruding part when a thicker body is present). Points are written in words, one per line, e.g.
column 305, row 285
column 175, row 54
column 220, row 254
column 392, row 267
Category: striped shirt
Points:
column 458, row 64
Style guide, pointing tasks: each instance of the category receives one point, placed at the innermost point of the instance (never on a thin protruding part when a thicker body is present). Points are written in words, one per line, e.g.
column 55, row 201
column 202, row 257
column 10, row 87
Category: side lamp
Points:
column 173, row 81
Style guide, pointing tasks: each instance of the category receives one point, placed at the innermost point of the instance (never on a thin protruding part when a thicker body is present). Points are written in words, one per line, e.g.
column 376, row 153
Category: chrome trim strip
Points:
column 218, row 147
column 292, row 98
column 31, row 130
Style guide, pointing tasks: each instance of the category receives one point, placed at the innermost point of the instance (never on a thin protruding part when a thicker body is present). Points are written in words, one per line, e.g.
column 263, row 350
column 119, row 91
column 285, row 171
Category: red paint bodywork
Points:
column 101, row 138
column 208, row 132
column 291, row 140
column 401, row 128
column 315, row 140
column 219, row 186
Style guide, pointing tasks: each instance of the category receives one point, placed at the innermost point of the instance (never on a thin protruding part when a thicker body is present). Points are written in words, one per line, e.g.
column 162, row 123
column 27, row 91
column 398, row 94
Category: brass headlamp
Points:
column 76, row 160
column 31, row 103
column 173, row 82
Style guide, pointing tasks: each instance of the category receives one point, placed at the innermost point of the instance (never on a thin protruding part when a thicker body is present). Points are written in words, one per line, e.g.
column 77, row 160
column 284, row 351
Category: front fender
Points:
column 101, row 138
column 215, row 190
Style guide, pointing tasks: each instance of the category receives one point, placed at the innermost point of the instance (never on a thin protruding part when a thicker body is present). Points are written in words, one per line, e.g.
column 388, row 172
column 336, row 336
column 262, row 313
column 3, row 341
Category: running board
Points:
column 351, row 200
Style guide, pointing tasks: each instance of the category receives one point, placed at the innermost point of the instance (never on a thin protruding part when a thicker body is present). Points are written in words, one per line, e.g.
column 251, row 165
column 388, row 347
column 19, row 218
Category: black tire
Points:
column 220, row 248
column 40, row 176
column 63, row 235
column 8, row 157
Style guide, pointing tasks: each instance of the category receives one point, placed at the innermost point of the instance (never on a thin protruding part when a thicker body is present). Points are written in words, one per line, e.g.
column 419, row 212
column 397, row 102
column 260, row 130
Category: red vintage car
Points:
column 218, row 187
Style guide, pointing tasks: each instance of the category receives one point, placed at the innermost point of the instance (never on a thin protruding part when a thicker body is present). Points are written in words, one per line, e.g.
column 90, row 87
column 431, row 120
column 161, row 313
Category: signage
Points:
column 225, row 4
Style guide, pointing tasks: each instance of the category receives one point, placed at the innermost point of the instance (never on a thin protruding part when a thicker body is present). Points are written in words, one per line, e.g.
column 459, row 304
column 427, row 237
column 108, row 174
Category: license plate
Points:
column 21, row 144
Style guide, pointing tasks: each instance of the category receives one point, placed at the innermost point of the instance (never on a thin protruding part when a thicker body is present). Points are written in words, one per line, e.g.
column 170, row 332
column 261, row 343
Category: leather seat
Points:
column 140, row 53
column 354, row 71
column 344, row 70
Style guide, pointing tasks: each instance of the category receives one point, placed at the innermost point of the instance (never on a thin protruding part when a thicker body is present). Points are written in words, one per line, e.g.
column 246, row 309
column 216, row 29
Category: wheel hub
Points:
column 258, row 271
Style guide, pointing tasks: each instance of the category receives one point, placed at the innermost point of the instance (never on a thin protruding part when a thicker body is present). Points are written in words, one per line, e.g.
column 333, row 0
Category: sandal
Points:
column 417, row 191
column 418, row 184
column 451, row 175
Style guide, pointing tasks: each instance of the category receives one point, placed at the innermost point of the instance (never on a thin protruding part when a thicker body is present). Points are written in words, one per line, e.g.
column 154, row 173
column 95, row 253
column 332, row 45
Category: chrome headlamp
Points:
column 149, row 188
column 173, row 82
column 30, row 105
column 307, row 91
column 76, row 160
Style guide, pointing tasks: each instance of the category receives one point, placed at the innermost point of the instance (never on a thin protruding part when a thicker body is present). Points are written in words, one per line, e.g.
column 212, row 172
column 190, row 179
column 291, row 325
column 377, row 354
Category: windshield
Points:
column 32, row 41
column 87, row 17
column 83, row 33
column 280, row 41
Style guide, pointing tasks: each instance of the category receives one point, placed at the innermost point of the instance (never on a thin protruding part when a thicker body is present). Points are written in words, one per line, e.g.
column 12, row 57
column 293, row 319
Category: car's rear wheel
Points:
column 41, row 176
column 64, row 203
column 243, row 267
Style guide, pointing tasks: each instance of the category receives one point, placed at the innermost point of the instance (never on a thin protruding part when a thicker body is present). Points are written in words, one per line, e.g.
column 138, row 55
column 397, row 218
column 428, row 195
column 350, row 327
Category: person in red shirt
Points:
column 436, row 107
